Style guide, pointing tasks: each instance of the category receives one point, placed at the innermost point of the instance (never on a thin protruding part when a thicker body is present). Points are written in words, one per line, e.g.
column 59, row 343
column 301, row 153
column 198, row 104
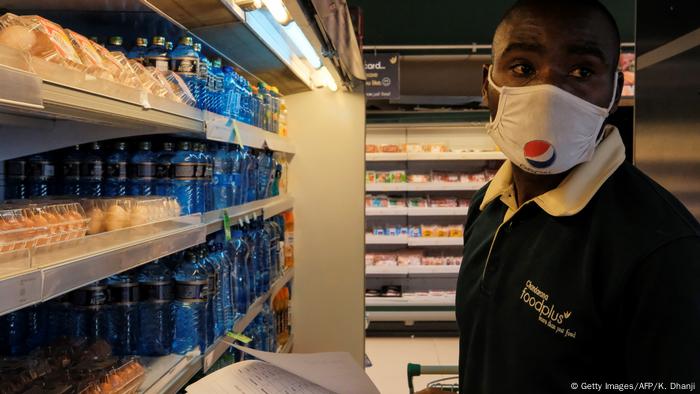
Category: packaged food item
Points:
column 392, row 231
column 445, row 176
column 463, row 202
column 449, row 202
column 35, row 223
column 428, row 230
column 370, row 177
column 110, row 214
column 180, row 90
column 371, row 148
column 393, row 201
column 456, row 231
column 413, row 148
column 90, row 57
column 415, row 231
column 409, row 257
column 442, row 231
column 390, row 148
column 417, row 202
column 383, row 177
column 435, row 148
column 397, row 176
column 148, row 81
column 418, row 178
column 119, row 66
column 42, row 38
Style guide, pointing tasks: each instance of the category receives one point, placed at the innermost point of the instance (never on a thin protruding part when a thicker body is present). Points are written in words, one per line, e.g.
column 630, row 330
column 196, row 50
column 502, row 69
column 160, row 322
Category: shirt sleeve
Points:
column 663, row 302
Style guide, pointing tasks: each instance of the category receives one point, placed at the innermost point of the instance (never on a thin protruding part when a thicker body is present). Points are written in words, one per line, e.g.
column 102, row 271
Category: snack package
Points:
column 370, row 148
column 28, row 224
column 428, row 230
column 370, row 176
column 463, row 202
column 417, row 202
column 396, row 202
column 39, row 37
column 398, row 176
column 383, row 177
column 90, row 57
column 415, row 232
column 413, row 148
column 148, row 81
column 456, row 231
column 418, row 178
column 389, row 148
column 118, row 65
column 180, row 89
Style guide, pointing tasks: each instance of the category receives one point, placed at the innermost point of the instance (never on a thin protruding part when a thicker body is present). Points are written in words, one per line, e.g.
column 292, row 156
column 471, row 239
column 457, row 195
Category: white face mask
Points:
column 544, row 129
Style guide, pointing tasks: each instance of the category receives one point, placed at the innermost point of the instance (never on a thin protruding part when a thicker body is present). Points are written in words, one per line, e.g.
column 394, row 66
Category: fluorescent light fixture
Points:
column 278, row 11
column 323, row 77
column 266, row 29
column 302, row 43
column 249, row 5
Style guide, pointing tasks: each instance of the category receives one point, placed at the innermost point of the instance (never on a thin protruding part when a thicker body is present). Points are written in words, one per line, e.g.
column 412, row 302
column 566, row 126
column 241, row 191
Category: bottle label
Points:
column 91, row 169
column 157, row 291
column 116, row 170
column 164, row 171
column 145, row 170
column 208, row 170
column 203, row 72
column 186, row 65
column 41, row 169
column 17, row 169
column 186, row 171
column 71, row 169
column 124, row 293
column 213, row 283
column 194, row 291
column 92, row 296
column 159, row 62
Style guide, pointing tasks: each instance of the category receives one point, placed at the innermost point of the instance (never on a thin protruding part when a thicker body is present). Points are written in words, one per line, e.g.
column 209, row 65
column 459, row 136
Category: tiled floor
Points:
column 390, row 356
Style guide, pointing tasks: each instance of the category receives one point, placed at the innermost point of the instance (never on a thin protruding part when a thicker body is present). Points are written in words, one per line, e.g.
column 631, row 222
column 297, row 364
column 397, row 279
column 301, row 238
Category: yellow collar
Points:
column 576, row 190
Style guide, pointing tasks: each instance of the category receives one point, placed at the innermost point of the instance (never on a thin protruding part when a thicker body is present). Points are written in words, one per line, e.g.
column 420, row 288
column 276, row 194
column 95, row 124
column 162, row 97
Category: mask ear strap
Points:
column 498, row 89
column 612, row 100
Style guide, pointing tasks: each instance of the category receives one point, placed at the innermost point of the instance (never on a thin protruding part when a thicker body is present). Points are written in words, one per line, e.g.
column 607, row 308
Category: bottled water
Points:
column 91, row 172
column 169, row 49
column 231, row 98
column 89, row 315
column 115, row 44
column 210, row 308
column 237, row 169
column 202, row 85
column 142, row 171
column 185, row 61
column 219, row 295
column 16, row 176
column 185, row 178
column 226, row 285
column 71, row 171
column 208, row 193
column 59, row 315
column 249, row 175
column 271, row 229
column 255, row 268
column 200, row 172
column 266, row 261
column 138, row 52
column 116, row 164
column 13, row 328
column 41, row 175
column 221, row 178
column 123, row 316
column 36, row 326
column 240, row 255
column 164, row 170
column 265, row 174
column 215, row 85
column 157, row 55
column 189, row 306
column 156, row 325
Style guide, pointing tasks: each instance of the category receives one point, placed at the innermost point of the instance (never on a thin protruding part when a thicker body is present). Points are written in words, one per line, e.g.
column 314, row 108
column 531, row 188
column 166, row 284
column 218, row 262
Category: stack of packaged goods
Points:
column 177, row 304
column 26, row 224
column 201, row 177
column 437, row 147
column 385, row 201
column 413, row 257
column 418, row 231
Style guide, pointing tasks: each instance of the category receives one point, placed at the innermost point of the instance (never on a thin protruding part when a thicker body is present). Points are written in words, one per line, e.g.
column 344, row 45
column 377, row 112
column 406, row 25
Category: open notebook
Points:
column 274, row 373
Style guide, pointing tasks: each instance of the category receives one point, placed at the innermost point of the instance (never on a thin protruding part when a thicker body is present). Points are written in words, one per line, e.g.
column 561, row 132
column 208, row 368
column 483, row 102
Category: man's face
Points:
column 570, row 48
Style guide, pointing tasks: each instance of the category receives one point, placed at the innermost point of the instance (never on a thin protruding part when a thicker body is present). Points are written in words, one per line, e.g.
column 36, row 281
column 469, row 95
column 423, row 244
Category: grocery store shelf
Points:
column 435, row 241
column 371, row 239
column 411, row 308
column 410, row 316
column 411, row 301
column 224, row 129
column 415, row 211
column 268, row 208
column 427, row 186
column 412, row 270
column 435, row 156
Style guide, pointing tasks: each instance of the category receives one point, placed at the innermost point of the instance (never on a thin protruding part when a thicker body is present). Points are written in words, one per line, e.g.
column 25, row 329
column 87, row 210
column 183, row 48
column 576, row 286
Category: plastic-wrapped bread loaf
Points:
column 90, row 57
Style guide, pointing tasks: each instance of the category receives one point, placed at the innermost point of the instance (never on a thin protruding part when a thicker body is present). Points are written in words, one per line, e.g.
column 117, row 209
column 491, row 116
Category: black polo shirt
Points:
column 597, row 281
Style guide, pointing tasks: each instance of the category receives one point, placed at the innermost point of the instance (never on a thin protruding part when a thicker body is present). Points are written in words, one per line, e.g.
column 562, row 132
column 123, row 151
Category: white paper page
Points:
column 253, row 377
column 336, row 372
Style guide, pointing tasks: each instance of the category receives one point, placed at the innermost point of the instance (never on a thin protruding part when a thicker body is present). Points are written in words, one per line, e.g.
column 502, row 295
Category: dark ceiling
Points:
column 452, row 22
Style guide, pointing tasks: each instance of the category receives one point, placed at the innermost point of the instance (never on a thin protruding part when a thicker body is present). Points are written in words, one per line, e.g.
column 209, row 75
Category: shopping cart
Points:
column 449, row 383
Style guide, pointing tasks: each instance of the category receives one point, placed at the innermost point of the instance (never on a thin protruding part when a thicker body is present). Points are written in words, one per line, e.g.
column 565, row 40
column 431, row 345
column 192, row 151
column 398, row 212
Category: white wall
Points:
column 326, row 179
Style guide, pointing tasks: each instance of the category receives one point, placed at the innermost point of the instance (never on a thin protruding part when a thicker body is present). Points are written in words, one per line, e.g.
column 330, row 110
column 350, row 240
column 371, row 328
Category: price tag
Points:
column 227, row 226
column 239, row 337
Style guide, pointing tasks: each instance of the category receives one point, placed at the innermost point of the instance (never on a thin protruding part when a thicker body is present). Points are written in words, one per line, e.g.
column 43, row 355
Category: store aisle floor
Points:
column 390, row 356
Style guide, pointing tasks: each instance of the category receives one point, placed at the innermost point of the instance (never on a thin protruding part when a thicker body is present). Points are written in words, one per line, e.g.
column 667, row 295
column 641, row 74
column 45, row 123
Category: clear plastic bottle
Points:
column 251, row 180
column 232, row 97
column 17, row 185
column 123, row 313
column 201, row 169
column 226, row 282
column 265, row 240
column 221, row 178
column 215, row 85
column 92, row 172
column 185, row 61
column 116, row 164
column 266, row 174
column 116, row 44
column 155, row 309
column 13, row 329
column 88, row 319
column 256, row 266
column 71, row 171
column 157, row 55
column 202, row 95
column 189, row 306
column 185, row 177
column 142, row 171
column 237, row 175
column 138, row 51
column 41, row 175
column 240, row 255
column 219, row 295
column 164, row 170
column 211, row 316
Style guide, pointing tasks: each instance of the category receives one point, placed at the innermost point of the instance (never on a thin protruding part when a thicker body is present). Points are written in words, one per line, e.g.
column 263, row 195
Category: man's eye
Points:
column 581, row 72
column 522, row 70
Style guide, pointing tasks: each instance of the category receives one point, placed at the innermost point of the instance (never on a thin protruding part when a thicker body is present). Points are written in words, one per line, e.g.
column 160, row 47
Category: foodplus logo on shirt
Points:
column 538, row 300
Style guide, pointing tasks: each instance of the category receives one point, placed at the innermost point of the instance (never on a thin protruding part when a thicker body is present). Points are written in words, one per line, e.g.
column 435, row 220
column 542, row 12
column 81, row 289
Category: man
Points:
column 578, row 270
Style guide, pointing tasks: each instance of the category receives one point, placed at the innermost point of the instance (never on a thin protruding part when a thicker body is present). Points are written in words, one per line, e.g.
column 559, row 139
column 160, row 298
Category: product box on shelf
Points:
column 26, row 224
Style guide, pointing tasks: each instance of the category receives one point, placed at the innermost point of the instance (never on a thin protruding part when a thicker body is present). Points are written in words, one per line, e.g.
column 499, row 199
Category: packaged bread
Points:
column 118, row 65
column 180, row 89
column 149, row 82
column 91, row 58
column 39, row 37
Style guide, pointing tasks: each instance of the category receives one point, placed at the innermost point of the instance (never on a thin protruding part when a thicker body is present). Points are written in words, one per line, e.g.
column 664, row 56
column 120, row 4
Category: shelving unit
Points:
column 414, row 211
column 170, row 373
column 494, row 155
column 410, row 308
column 423, row 187
column 412, row 270
column 371, row 239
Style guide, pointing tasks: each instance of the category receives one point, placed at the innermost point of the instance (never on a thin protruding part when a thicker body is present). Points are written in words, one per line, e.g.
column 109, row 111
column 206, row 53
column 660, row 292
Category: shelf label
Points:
column 239, row 337
column 227, row 226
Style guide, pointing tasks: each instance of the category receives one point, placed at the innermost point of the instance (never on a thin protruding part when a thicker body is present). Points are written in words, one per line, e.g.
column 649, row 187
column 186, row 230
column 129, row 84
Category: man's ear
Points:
column 620, row 82
column 485, row 85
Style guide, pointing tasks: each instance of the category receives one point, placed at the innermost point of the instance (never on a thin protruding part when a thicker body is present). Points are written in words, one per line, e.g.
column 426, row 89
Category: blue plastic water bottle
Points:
column 185, row 62
column 231, row 95
column 59, row 317
column 202, row 85
column 215, row 86
column 41, row 175
column 185, row 177
column 92, row 172
column 210, row 310
column 142, row 171
column 221, row 178
column 266, row 259
column 116, row 44
column 240, row 255
column 37, row 324
column 157, row 55
column 88, row 319
column 155, row 309
column 71, row 171
column 13, row 329
column 116, row 177
column 270, row 229
column 138, row 51
column 164, row 170
column 237, row 175
column 189, row 306
column 226, row 282
column 219, row 295
column 123, row 313
column 16, row 179
column 208, row 192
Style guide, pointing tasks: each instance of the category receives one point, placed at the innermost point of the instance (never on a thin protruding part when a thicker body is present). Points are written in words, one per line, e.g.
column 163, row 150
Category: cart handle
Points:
column 414, row 370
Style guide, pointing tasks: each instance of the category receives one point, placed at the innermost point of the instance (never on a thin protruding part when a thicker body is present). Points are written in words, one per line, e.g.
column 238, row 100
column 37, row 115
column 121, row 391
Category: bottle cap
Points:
column 168, row 146
column 145, row 145
column 169, row 46
column 120, row 145
column 95, row 146
column 158, row 40
column 186, row 41
column 197, row 47
column 217, row 62
column 183, row 145
column 116, row 40
column 142, row 42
